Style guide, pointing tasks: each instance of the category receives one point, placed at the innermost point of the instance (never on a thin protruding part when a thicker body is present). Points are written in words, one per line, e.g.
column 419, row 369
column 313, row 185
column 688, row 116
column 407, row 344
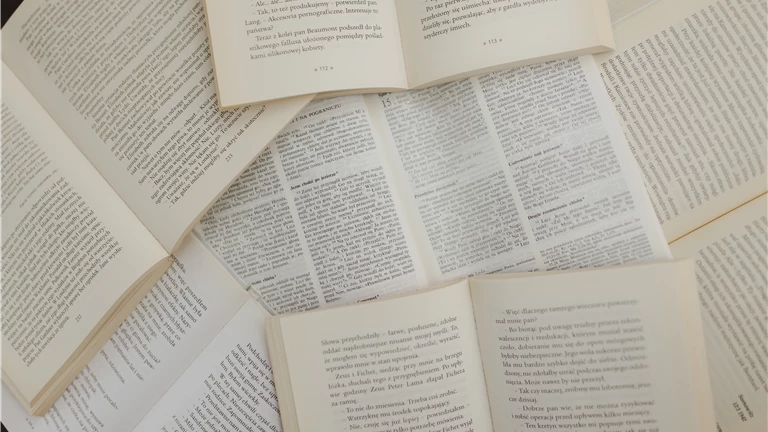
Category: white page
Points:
column 228, row 386
column 519, row 170
column 410, row 362
column 617, row 349
column 270, row 51
column 132, row 85
column 147, row 353
column 71, row 248
column 688, row 79
column 732, row 270
column 268, row 230
column 315, row 221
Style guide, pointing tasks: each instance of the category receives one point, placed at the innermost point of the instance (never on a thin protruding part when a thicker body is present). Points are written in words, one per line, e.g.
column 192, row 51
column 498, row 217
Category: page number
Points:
column 78, row 317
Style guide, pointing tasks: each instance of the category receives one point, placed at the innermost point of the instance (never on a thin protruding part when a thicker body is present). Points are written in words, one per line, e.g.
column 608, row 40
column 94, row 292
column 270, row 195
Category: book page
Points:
column 228, row 387
column 272, row 50
column 434, row 186
column 688, row 80
column 314, row 222
column 410, row 362
column 519, row 170
column 71, row 248
column 732, row 270
column 615, row 349
column 150, row 350
column 132, row 86
column 444, row 40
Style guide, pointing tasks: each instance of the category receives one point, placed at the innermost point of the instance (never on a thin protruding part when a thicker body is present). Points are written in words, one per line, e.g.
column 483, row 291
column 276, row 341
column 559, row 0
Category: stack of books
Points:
column 445, row 215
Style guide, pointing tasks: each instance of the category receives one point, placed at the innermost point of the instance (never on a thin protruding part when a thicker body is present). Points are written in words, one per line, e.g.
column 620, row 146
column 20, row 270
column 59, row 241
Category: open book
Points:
column 513, row 171
column 688, row 79
column 213, row 371
column 113, row 147
column 265, row 50
column 596, row 350
column 192, row 356
column 693, row 106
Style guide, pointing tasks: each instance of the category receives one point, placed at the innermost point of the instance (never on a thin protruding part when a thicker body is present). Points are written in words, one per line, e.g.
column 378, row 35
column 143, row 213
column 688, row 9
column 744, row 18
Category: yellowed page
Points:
column 445, row 38
column 688, row 80
column 732, row 267
column 149, row 352
column 131, row 84
column 264, row 51
column 409, row 362
column 70, row 247
column 615, row 349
